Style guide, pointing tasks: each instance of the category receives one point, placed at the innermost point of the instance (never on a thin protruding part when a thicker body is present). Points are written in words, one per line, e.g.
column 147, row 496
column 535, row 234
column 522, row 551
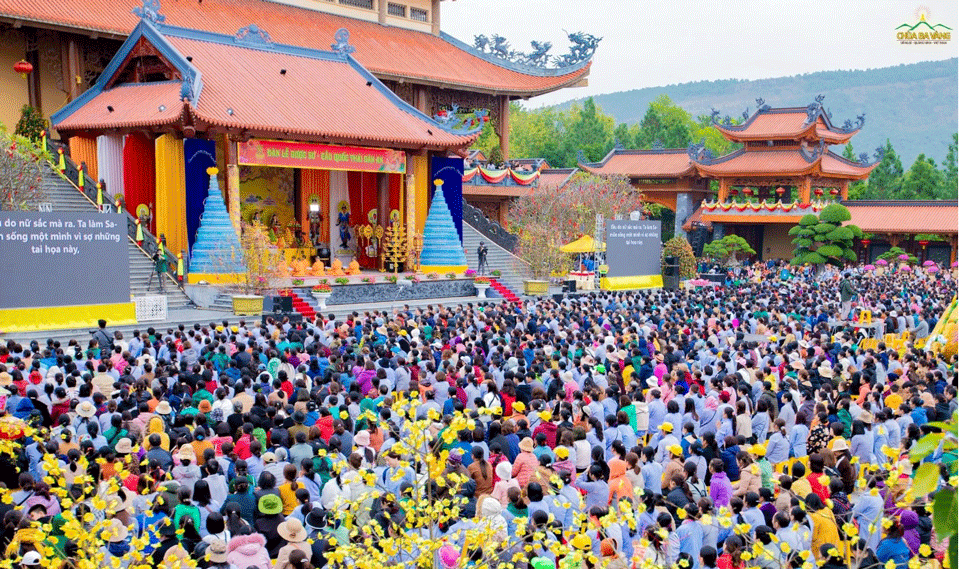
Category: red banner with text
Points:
column 283, row 154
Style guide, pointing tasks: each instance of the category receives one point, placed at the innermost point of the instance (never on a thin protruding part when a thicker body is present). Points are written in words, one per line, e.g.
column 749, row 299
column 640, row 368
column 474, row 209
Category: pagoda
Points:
column 783, row 170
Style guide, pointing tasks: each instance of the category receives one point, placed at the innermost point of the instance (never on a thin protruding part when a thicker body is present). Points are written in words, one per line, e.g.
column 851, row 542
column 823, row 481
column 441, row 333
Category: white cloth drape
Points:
column 110, row 164
column 339, row 192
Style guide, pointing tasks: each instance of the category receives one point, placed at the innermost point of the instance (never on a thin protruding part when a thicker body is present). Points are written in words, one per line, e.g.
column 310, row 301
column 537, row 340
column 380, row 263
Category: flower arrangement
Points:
column 392, row 279
column 469, row 273
column 411, row 278
column 433, row 276
column 322, row 287
column 481, row 281
column 342, row 280
column 451, row 276
column 366, row 279
column 496, row 272
column 297, row 282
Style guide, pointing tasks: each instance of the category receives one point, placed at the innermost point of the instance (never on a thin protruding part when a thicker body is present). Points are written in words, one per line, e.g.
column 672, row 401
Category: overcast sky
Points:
column 651, row 43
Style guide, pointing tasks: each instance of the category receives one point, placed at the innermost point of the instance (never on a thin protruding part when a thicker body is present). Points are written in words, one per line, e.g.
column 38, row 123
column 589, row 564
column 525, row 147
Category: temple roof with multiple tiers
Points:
column 666, row 163
column 812, row 123
column 248, row 84
column 389, row 52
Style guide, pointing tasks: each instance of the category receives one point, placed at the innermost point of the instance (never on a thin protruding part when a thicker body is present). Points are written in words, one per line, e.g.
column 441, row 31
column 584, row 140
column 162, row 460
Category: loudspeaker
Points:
column 671, row 282
column 671, row 270
column 570, row 285
column 282, row 304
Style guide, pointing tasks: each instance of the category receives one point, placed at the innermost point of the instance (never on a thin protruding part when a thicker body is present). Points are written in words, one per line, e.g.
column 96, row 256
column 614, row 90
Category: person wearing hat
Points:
column 665, row 440
column 215, row 554
column 270, row 508
column 673, row 467
column 115, row 534
column 844, row 464
column 186, row 471
column 525, row 464
column 31, row 559
column 295, row 536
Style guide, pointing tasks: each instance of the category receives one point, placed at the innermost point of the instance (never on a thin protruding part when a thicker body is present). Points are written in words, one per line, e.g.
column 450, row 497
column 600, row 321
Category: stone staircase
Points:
column 513, row 271
column 61, row 195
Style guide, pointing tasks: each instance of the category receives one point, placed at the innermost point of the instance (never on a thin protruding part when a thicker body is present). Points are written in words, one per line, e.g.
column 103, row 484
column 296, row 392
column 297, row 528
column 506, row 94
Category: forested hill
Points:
column 915, row 106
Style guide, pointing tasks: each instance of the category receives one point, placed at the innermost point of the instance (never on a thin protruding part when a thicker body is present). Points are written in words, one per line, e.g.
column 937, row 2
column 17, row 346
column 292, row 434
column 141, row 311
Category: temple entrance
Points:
column 343, row 213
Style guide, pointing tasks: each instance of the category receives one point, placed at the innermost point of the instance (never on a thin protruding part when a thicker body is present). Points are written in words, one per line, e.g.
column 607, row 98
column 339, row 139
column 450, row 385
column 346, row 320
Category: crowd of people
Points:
column 717, row 427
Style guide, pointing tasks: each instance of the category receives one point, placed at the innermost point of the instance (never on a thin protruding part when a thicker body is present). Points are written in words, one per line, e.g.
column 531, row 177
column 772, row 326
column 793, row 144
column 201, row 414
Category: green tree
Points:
column 537, row 134
column 922, row 182
column 858, row 188
column 886, row 177
column 825, row 240
column 950, row 172
column 704, row 130
column 667, row 123
column 680, row 248
column 588, row 129
column 31, row 123
column 488, row 139
column 726, row 249
column 627, row 134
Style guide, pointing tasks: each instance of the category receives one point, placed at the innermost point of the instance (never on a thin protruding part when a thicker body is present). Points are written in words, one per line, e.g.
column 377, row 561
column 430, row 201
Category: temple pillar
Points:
column 723, row 192
column 505, row 127
column 845, row 190
column 72, row 68
column 382, row 11
column 421, row 172
column 804, row 190
column 953, row 249
column 232, row 181
column 683, row 211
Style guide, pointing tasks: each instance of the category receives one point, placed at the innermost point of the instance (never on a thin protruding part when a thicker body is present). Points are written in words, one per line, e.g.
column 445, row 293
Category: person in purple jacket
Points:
column 721, row 490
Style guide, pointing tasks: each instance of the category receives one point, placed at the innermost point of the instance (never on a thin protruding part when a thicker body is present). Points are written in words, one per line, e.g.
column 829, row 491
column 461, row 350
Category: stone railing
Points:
column 489, row 228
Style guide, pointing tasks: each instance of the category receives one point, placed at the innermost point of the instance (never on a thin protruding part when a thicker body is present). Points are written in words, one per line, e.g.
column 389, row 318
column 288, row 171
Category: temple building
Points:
column 327, row 126
column 784, row 169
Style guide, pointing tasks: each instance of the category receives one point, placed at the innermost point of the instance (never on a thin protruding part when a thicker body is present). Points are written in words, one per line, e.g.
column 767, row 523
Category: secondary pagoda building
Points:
column 783, row 170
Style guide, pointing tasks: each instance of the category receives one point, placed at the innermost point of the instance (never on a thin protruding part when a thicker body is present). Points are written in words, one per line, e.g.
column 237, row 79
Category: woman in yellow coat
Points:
column 825, row 530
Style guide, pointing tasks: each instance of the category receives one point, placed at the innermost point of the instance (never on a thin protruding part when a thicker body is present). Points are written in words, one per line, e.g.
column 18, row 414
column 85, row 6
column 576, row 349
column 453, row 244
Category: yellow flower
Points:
column 824, row 479
column 833, row 552
column 890, row 564
column 706, row 520
column 681, row 513
column 746, row 556
column 784, row 547
column 925, row 550
column 887, row 522
column 850, row 529
column 344, row 415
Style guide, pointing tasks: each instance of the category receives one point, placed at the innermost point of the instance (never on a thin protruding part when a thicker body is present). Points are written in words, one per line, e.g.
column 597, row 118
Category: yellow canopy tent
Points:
column 585, row 244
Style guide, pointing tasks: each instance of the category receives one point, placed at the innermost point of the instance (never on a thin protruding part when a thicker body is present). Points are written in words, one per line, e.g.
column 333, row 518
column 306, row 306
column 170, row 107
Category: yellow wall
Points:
column 776, row 242
column 12, row 86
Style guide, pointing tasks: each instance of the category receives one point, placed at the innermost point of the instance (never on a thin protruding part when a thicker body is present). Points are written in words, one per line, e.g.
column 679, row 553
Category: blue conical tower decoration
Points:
column 442, row 250
column 217, row 249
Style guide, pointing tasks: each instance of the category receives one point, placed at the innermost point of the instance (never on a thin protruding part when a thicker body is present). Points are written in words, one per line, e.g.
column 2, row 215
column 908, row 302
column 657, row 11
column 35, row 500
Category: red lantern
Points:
column 923, row 242
column 734, row 192
column 23, row 67
column 834, row 192
column 486, row 118
column 781, row 190
column 818, row 191
column 748, row 191
column 864, row 242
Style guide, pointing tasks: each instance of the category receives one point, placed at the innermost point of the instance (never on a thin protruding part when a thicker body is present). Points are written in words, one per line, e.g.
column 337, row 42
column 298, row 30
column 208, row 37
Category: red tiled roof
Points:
column 791, row 162
column 320, row 96
column 787, row 123
column 387, row 51
column 831, row 163
column 555, row 177
column 672, row 163
column 759, row 162
column 133, row 105
column 904, row 216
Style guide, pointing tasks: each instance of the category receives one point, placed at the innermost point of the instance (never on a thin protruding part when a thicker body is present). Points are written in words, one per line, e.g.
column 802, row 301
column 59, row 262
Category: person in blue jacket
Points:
column 893, row 547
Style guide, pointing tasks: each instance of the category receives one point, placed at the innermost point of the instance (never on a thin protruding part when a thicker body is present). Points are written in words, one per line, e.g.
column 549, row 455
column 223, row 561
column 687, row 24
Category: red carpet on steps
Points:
column 504, row 291
column 300, row 306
